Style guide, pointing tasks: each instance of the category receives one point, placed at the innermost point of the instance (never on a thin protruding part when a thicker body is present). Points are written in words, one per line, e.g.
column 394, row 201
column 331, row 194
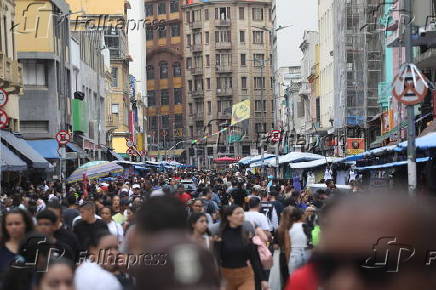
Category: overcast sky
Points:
column 302, row 14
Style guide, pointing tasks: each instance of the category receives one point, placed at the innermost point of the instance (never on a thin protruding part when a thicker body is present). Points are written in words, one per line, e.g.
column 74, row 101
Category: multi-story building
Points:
column 45, row 104
column 227, row 49
column 10, row 70
column 165, row 78
column 111, row 20
column 326, row 67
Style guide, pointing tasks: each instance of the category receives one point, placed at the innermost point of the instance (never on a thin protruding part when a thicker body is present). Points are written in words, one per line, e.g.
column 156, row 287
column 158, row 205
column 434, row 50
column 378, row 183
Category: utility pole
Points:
column 411, row 130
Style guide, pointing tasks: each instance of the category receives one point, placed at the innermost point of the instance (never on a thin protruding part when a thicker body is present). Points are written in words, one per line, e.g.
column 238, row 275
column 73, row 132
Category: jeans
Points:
column 298, row 257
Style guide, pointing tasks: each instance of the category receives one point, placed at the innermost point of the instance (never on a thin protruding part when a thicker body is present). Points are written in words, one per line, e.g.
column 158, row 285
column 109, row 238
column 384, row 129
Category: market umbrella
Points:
column 225, row 159
column 94, row 169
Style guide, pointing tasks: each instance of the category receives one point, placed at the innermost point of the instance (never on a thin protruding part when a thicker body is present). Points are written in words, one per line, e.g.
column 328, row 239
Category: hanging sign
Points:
column 4, row 119
column 4, row 97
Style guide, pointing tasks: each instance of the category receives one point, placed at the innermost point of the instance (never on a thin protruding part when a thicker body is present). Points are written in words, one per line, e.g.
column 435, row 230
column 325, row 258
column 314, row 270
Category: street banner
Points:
column 240, row 112
column 355, row 146
column 387, row 122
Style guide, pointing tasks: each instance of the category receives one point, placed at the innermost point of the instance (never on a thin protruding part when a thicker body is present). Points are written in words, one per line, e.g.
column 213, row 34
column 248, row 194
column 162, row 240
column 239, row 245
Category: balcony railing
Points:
column 226, row 68
column 223, row 45
column 196, row 70
column 197, row 94
column 196, row 25
column 197, row 48
column 223, row 22
column 224, row 92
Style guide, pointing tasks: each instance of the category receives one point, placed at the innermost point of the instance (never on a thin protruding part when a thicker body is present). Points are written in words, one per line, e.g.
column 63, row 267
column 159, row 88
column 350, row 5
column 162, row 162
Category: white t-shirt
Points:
column 92, row 276
column 297, row 235
column 116, row 230
column 257, row 219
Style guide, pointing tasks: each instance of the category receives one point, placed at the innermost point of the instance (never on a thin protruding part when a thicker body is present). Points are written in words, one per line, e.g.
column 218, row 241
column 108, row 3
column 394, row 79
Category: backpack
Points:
column 265, row 255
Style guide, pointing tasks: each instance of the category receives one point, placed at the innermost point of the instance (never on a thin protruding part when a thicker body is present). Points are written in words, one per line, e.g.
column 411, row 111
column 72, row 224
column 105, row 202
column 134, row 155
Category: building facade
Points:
column 165, row 78
column 45, row 105
column 11, row 79
column 228, row 58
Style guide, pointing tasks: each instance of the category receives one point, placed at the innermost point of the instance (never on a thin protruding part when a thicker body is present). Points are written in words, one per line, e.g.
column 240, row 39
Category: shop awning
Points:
column 46, row 147
column 176, row 152
column 425, row 142
column 252, row 159
column 9, row 161
column 21, row 146
column 376, row 151
column 76, row 148
column 315, row 163
column 392, row 164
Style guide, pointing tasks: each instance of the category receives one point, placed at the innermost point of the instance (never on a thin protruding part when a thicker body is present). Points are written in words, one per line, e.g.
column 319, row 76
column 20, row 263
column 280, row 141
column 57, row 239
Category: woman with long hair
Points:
column 236, row 253
column 198, row 224
column 15, row 224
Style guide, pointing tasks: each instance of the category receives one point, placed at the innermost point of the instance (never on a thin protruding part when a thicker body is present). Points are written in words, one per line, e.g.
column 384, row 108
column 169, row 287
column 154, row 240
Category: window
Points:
column 189, row 62
column 224, row 83
column 188, row 16
column 207, row 60
column 222, row 13
column 259, row 59
column 243, row 59
column 115, row 108
column 151, row 98
column 165, row 122
column 208, row 83
column 242, row 36
column 114, row 77
column 153, row 123
column 244, row 83
column 209, row 128
column 162, row 33
column 34, row 73
column 177, row 96
column 258, row 14
column 149, row 35
column 206, row 36
column 150, row 72
column 164, row 97
column 163, row 70
column 223, row 36
column 161, row 8
column 174, row 6
column 177, row 71
column 241, row 13
column 190, row 85
column 259, row 83
column 209, row 107
column 178, row 121
column 188, row 40
column 258, row 37
column 272, row 82
column 190, row 108
column 175, row 30
column 258, row 106
column 206, row 14
column 148, row 9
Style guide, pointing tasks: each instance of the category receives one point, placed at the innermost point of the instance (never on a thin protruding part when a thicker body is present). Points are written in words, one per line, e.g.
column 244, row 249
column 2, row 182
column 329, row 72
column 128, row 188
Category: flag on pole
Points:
column 240, row 112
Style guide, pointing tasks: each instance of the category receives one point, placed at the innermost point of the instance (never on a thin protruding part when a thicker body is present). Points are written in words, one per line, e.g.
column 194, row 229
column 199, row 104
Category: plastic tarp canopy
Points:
column 288, row 158
column 423, row 143
column 315, row 163
column 392, row 164
column 370, row 152
column 9, row 161
column 251, row 159
column 25, row 149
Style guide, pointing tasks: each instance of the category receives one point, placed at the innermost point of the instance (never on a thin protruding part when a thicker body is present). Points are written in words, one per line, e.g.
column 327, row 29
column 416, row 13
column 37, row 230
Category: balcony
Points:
column 196, row 25
column 426, row 59
column 196, row 71
column 10, row 74
column 197, row 48
column 224, row 92
column 226, row 68
column 198, row 116
column 223, row 45
column 226, row 115
column 197, row 94
column 223, row 22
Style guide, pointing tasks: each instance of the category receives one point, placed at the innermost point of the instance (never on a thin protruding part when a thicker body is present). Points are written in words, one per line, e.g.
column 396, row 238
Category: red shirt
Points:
column 303, row 279
column 185, row 197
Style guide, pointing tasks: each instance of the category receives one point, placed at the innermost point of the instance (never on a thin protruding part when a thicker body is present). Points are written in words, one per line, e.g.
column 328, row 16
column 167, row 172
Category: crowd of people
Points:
column 223, row 230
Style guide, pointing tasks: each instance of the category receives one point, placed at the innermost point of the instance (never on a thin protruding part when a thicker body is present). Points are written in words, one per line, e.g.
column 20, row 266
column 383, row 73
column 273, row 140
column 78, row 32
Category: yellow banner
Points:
column 140, row 141
column 240, row 112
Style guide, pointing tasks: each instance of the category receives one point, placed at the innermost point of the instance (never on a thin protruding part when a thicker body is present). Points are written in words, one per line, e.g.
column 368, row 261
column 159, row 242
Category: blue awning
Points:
column 46, row 147
column 9, row 161
column 423, row 143
column 23, row 148
column 376, row 151
column 251, row 159
column 392, row 164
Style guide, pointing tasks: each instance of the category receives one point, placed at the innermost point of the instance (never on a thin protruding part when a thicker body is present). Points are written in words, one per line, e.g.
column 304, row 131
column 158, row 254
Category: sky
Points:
column 302, row 14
